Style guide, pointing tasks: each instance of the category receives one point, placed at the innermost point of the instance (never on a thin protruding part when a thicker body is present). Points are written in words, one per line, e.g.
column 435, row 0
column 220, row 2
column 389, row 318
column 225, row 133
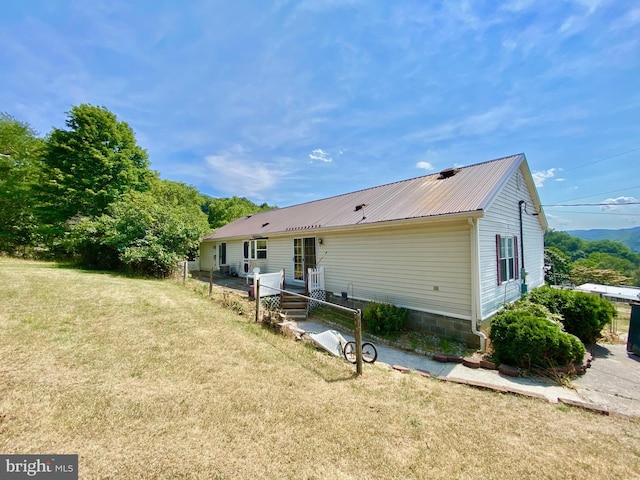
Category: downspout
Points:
column 523, row 273
column 475, row 283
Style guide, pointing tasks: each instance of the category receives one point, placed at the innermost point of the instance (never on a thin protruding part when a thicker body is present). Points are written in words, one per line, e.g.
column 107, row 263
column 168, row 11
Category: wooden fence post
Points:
column 185, row 269
column 256, row 293
column 210, row 282
column 358, row 339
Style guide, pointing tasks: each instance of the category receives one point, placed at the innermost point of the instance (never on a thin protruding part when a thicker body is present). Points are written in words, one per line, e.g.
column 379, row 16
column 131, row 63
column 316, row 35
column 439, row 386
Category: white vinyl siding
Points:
column 423, row 267
column 502, row 219
column 207, row 255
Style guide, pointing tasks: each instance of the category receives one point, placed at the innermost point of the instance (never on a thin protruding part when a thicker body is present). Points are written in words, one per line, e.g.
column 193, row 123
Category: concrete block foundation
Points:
column 440, row 325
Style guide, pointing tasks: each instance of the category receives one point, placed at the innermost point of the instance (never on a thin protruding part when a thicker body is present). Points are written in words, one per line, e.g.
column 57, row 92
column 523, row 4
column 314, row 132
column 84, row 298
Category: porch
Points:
column 274, row 286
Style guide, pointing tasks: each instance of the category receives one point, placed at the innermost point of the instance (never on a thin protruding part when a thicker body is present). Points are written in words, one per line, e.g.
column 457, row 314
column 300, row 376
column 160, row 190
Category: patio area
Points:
column 236, row 283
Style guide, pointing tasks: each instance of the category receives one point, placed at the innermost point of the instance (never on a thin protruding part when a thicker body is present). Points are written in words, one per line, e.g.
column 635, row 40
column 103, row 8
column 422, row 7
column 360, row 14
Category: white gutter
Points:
column 475, row 283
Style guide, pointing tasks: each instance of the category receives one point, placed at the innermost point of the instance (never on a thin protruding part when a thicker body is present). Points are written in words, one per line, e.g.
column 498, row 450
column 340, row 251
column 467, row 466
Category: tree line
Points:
column 569, row 259
column 86, row 193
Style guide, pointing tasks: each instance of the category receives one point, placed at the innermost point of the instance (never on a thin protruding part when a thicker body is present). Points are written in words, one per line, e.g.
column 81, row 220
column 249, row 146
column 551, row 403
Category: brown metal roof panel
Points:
column 468, row 190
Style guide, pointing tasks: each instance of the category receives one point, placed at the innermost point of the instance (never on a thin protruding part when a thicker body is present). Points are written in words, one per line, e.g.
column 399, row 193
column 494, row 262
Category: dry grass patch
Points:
column 147, row 379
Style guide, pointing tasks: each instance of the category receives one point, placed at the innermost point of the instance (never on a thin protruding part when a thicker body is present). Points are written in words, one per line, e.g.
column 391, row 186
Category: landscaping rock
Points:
column 454, row 358
column 401, row 369
column 438, row 357
column 488, row 365
column 471, row 362
column 508, row 370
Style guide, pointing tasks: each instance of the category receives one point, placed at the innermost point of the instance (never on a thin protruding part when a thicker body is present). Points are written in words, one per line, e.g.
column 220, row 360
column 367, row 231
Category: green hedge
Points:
column 383, row 318
column 525, row 339
column 584, row 315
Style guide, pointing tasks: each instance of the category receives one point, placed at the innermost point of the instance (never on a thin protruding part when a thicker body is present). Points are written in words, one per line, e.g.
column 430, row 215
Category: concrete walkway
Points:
column 611, row 385
column 613, row 381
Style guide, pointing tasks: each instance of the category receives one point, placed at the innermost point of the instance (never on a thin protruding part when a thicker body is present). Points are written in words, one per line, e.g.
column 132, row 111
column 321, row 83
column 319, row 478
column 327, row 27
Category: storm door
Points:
column 304, row 256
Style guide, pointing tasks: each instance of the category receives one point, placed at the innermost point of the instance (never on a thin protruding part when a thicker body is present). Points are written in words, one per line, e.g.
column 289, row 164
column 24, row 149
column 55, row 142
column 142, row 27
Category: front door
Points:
column 246, row 258
column 304, row 257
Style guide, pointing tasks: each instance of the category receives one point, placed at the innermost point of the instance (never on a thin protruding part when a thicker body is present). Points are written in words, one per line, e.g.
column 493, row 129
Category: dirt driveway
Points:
column 613, row 381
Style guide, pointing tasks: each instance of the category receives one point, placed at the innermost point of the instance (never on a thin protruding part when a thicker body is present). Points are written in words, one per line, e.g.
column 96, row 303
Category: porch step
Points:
column 293, row 306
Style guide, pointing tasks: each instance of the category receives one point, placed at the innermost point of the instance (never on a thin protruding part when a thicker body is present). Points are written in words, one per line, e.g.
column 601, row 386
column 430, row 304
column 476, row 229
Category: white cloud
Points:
column 424, row 166
column 540, row 177
column 615, row 203
column 234, row 171
column 498, row 118
column 320, row 155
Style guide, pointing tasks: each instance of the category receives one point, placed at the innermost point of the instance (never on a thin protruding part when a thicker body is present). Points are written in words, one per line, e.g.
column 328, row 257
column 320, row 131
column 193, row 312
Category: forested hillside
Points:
column 570, row 259
column 628, row 236
column 86, row 193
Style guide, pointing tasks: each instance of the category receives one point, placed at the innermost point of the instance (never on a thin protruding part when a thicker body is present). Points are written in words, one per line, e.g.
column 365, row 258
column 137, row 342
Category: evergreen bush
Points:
column 383, row 318
column 525, row 340
column 584, row 315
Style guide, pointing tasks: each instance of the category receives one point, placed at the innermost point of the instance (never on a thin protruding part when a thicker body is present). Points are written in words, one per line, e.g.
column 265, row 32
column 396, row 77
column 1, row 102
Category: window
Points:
column 222, row 253
column 255, row 249
column 258, row 249
column 507, row 258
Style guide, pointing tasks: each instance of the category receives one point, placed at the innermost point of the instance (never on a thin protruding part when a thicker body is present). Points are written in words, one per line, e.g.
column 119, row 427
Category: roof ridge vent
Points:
column 447, row 173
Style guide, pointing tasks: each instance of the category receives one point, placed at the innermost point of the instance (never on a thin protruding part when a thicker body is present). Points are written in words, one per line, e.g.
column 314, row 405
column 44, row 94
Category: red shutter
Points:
column 498, row 259
column 516, row 265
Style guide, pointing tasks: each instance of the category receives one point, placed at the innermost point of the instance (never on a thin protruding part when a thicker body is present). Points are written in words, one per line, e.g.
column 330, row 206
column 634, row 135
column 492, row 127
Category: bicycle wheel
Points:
column 349, row 352
column 369, row 352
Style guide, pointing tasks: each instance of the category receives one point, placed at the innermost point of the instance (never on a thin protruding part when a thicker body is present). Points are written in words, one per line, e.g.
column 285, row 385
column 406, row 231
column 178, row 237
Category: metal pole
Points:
column 358, row 339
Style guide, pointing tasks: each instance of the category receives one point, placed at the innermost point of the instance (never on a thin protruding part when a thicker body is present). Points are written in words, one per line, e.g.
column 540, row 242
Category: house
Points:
column 452, row 247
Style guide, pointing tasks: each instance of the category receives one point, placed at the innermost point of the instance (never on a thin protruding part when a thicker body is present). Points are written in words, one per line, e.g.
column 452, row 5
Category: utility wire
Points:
column 601, row 160
column 591, row 204
column 603, row 193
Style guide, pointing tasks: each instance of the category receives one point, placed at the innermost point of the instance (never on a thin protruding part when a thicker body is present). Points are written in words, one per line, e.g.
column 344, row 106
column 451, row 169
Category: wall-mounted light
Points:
column 320, row 241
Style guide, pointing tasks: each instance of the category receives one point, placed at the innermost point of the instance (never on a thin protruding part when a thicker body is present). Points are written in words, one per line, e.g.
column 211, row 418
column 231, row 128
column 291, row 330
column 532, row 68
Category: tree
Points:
column 557, row 265
column 581, row 275
column 20, row 165
column 224, row 210
column 146, row 232
column 90, row 165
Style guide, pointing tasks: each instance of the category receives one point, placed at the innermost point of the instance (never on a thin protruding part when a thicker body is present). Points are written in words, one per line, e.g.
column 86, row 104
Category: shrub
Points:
column 583, row 314
column 523, row 339
column 383, row 318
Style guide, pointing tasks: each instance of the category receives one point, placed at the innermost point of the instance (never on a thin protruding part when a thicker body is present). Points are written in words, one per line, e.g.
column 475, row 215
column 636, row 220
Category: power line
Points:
column 603, row 213
column 603, row 193
column 602, row 159
column 591, row 204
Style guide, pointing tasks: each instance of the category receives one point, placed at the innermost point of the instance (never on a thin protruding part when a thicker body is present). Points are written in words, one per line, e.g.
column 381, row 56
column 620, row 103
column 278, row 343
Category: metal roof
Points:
column 622, row 292
column 470, row 189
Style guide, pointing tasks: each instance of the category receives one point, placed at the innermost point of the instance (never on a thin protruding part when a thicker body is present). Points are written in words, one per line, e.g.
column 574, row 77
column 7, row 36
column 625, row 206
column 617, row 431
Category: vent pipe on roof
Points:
column 447, row 173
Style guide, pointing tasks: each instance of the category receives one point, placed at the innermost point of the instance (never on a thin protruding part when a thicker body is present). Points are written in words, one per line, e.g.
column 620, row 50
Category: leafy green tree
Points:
column 20, row 165
column 572, row 246
column 613, row 249
column 558, row 266
column 601, row 261
column 88, row 166
column 146, row 232
column 224, row 210
column 581, row 274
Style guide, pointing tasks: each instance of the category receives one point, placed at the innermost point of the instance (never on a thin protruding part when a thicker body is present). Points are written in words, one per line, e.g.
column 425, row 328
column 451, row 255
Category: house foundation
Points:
column 442, row 326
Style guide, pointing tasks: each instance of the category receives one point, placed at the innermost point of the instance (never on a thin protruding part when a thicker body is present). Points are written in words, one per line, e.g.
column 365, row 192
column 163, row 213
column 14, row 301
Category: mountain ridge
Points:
column 628, row 236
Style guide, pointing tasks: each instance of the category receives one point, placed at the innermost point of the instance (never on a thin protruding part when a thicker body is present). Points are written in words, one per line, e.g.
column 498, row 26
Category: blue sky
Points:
column 287, row 101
